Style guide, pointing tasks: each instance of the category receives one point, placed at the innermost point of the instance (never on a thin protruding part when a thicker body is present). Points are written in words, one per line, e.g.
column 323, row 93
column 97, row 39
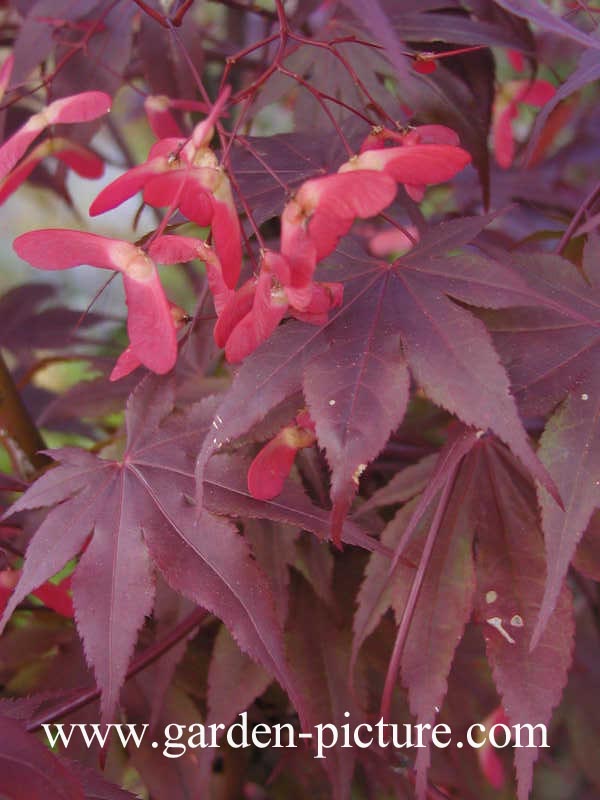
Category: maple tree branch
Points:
column 149, row 656
column 177, row 20
column 164, row 21
column 283, row 35
column 17, row 422
column 155, row 15
column 96, row 26
column 329, row 46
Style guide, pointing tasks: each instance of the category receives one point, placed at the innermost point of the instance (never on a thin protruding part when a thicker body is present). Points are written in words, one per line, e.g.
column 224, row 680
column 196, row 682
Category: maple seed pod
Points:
column 81, row 107
column 273, row 463
column 424, row 63
column 150, row 325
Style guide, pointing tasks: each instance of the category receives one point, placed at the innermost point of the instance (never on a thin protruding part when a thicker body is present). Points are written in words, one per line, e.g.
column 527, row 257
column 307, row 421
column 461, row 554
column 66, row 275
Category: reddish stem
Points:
column 319, row 98
column 96, row 27
column 155, row 15
column 177, row 20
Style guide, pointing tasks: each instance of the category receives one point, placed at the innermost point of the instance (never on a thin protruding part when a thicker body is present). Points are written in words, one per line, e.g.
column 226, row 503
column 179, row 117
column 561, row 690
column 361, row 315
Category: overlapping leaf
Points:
column 27, row 323
column 320, row 648
column 445, row 571
column 29, row 770
column 588, row 70
column 391, row 313
column 570, row 448
column 535, row 11
column 510, row 577
column 226, row 492
column 138, row 511
column 551, row 353
column 487, row 527
column 267, row 168
column 374, row 17
column 229, row 667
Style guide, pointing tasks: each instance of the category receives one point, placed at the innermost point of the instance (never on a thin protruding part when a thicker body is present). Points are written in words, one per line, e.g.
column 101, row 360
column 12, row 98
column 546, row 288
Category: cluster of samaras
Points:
column 183, row 173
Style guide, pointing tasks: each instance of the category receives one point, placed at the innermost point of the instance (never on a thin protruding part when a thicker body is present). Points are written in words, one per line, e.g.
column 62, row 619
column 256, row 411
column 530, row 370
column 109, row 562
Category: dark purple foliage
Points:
column 380, row 498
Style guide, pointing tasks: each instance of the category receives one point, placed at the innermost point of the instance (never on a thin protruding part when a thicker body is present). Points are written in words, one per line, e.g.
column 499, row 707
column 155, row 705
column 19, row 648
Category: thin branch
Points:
column 155, row 15
column 95, row 27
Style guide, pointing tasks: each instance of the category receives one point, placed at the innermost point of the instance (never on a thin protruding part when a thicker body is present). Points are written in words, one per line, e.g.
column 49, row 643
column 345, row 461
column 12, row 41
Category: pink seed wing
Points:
column 516, row 60
column 433, row 134
column 171, row 249
column 227, row 238
column 233, row 311
column 388, row 242
column 160, row 119
column 298, row 248
column 57, row 248
column 178, row 188
column 503, row 142
column 126, row 363
column 23, row 170
column 81, row 160
column 203, row 131
column 537, row 94
column 416, row 193
column 424, row 66
column 221, row 293
column 56, row 597
column 419, row 164
column 6, row 72
column 270, row 468
column 426, row 164
column 325, row 296
column 82, row 107
column 342, row 198
column 126, row 185
column 78, row 158
column 166, row 147
column 325, row 230
column 357, row 193
column 13, row 148
column 150, row 323
column 256, row 327
column 196, row 203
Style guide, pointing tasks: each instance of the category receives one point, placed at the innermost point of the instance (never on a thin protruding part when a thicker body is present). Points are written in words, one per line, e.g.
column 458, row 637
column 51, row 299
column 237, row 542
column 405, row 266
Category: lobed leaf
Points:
column 511, row 579
column 138, row 513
